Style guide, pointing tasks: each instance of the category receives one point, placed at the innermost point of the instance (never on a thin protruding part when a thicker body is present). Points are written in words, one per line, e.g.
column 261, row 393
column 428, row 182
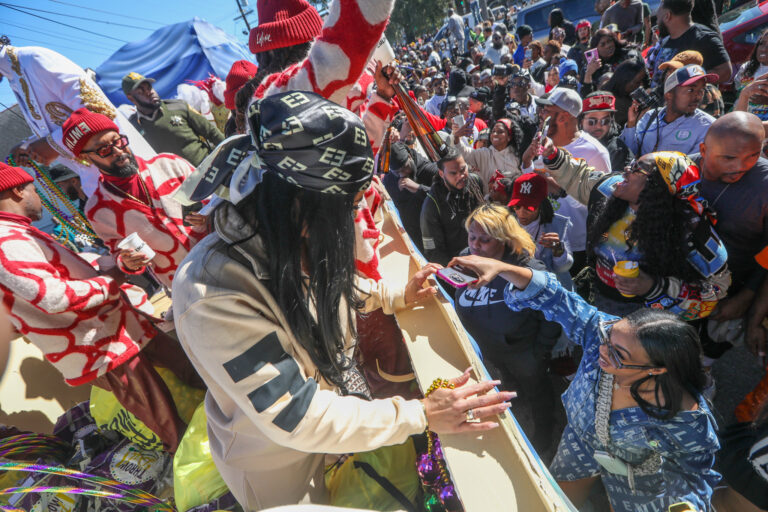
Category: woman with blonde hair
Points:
column 515, row 345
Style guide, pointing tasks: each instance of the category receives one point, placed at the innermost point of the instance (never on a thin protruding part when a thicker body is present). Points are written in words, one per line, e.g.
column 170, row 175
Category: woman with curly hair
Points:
column 503, row 154
column 753, row 92
column 515, row 345
column 650, row 214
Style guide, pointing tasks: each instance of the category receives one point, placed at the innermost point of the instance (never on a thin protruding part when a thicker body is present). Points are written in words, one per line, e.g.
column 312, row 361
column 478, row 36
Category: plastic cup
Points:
column 384, row 52
column 134, row 242
column 626, row 268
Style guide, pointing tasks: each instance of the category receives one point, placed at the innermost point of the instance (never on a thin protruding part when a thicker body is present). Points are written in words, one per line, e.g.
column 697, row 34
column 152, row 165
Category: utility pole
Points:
column 242, row 13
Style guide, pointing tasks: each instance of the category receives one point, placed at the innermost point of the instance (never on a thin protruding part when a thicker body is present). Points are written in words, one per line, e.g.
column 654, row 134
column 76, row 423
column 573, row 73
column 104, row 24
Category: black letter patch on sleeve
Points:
column 269, row 351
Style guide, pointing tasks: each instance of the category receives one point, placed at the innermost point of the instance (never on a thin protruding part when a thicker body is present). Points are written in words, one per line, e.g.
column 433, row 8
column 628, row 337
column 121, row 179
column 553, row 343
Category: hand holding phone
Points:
column 591, row 55
column 456, row 276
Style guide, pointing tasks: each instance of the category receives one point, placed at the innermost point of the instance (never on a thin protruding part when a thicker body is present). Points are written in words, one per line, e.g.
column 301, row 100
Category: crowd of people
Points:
column 608, row 202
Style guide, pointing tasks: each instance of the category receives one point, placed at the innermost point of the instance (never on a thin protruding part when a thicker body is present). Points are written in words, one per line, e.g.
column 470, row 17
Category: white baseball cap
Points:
column 564, row 98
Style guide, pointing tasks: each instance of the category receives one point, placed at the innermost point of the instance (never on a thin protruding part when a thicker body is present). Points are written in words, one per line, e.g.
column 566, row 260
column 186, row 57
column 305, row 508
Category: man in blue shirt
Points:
column 679, row 125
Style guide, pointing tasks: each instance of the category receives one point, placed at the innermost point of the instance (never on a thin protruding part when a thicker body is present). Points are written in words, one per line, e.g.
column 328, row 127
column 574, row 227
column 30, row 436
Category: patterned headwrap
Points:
column 301, row 137
column 682, row 177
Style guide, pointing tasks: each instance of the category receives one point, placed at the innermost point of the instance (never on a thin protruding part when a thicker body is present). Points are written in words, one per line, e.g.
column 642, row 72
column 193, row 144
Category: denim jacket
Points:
column 687, row 442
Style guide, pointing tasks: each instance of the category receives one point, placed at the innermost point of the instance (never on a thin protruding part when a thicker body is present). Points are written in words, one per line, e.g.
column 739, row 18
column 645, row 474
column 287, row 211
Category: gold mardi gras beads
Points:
column 439, row 383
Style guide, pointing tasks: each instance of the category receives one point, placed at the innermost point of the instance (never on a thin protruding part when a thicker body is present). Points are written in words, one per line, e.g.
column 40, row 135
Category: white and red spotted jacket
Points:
column 338, row 58
column 114, row 215
column 82, row 322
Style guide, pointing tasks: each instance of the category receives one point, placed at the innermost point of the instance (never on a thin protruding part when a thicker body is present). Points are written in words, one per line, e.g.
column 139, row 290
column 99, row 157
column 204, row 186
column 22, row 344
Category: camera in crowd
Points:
column 500, row 70
column 645, row 100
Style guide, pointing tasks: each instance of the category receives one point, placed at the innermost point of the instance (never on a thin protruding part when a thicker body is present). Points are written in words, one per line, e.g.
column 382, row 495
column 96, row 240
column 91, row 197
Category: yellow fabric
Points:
column 110, row 415
column 196, row 481
column 351, row 487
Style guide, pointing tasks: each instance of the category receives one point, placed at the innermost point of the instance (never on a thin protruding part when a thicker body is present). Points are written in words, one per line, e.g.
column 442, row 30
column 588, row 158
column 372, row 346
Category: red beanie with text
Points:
column 11, row 177
column 83, row 124
column 284, row 23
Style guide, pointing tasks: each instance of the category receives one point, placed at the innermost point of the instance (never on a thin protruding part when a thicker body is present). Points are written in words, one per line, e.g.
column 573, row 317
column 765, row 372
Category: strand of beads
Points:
column 72, row 222
column 439, row 492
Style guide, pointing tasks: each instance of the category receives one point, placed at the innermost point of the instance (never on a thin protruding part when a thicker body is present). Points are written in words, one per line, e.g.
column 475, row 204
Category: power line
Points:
column 90, row 44
column 77, row 17
column 12, row 112
column 61, row 23
column 59, row 45
column 109, row 12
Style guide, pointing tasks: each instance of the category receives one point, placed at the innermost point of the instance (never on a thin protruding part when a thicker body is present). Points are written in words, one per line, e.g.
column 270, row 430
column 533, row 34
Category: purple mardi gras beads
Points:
column 450, row 499
column 428, row 470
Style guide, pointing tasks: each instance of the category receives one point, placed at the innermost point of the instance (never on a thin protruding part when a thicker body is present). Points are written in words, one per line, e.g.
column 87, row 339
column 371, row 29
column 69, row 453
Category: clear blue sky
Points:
column 105, row 24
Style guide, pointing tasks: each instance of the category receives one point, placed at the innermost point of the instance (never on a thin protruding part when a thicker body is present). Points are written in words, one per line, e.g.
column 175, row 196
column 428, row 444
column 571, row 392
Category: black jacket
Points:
column 442, row 219
column 621, row 155
column 409, row 204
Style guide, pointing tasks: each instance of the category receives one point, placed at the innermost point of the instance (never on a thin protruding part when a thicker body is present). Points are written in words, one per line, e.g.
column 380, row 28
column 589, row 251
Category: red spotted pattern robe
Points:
column 114, row 216
column 336, row 64
column 82, row 322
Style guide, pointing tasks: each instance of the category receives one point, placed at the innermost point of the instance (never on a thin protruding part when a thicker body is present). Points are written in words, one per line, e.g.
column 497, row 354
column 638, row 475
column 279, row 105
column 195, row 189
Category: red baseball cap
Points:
column 529, row 191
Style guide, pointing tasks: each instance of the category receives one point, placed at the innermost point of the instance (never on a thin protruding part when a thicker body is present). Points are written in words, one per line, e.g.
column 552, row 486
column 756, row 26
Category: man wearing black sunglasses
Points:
column 134, row 196
column 597, row 119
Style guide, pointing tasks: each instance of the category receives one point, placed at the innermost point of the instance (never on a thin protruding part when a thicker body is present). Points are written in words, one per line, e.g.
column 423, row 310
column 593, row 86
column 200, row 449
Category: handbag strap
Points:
column 386, row 485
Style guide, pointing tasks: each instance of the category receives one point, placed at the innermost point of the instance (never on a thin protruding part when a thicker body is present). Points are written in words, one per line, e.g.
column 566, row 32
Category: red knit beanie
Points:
column 11, row 177
column 284, row 23
column 83, row 124
column 240, row 72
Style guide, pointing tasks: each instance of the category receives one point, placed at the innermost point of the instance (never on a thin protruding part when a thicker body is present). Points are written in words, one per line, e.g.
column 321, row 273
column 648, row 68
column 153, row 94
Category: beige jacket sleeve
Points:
column 379, row 294
column 260, row 366
column 574, row 175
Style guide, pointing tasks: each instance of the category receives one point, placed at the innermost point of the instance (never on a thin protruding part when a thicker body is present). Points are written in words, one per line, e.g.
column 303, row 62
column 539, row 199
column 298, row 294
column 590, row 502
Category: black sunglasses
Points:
column 634, row 168
column 604, row 331
column 107, row 149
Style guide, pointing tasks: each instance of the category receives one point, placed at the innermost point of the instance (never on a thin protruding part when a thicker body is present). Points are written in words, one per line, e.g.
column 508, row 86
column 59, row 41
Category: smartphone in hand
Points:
column 458, row 277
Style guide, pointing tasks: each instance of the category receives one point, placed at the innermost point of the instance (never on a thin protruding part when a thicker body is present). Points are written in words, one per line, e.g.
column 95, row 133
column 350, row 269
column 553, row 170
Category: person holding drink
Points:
column 650, row 214
column 636, row 417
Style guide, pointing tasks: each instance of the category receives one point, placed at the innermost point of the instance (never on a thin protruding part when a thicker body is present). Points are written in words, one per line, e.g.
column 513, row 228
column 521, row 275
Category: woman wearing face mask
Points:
column 751, row 82
column 549, row 231
column 636, row 417
column 503, row 154
column 597, row 120
column 515, row 346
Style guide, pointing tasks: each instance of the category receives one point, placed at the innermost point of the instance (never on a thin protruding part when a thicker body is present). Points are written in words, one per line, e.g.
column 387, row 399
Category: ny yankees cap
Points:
column 529, row 191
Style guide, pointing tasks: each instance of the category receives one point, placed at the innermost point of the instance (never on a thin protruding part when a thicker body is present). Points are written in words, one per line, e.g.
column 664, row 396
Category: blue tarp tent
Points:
column 172, row 55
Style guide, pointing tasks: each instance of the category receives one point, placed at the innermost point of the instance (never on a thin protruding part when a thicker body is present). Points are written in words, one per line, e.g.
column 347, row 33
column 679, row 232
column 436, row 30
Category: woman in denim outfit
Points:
column 636, row 417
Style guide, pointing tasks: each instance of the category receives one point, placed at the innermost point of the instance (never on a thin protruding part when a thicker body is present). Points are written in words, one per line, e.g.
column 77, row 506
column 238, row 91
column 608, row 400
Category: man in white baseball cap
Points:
column 678, row 126
column 562, row 107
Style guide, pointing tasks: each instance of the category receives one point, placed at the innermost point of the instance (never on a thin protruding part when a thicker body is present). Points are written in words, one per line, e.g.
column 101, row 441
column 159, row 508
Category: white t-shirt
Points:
column 587, row 148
